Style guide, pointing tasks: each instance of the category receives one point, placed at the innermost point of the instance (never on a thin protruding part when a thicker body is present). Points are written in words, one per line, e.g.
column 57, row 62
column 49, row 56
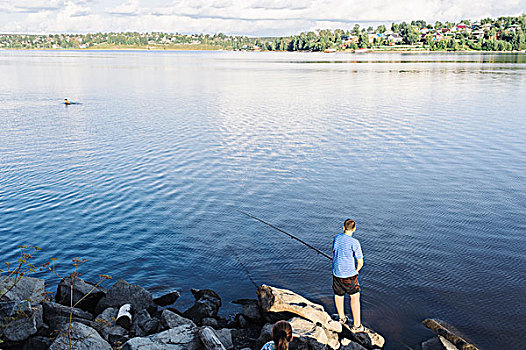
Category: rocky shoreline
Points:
column 127, row 316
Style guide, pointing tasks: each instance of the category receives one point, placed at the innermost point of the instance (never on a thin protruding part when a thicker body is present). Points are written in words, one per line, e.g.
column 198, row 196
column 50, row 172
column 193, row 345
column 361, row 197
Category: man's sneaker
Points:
column 343, row 320
column 359, row 329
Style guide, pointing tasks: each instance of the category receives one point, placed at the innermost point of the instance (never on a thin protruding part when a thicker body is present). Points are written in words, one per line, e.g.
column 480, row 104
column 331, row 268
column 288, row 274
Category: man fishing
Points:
column 346, row 263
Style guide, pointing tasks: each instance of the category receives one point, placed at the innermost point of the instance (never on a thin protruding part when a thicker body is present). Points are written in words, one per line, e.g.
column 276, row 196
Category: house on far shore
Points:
column 395, row 38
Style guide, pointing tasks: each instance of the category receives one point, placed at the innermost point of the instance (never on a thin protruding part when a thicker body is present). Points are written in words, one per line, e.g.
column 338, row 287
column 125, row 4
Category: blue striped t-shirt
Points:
column 345, row 251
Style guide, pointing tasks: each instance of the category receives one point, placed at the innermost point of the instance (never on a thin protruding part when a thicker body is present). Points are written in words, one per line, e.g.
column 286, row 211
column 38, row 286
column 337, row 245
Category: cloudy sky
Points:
column 247, row 17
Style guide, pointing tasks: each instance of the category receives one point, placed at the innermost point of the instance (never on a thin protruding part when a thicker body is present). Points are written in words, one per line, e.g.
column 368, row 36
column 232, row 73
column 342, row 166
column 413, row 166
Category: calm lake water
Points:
column 427, row 152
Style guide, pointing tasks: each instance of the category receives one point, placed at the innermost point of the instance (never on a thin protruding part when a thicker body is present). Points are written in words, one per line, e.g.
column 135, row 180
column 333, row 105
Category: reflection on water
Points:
column 425, row 151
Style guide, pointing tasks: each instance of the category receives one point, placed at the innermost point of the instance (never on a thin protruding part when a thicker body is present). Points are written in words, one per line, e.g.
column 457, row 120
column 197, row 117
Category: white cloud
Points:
column 251, row 17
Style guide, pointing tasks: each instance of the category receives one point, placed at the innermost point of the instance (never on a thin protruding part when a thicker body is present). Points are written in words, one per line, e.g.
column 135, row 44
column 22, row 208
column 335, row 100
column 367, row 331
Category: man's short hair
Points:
column 349, row 225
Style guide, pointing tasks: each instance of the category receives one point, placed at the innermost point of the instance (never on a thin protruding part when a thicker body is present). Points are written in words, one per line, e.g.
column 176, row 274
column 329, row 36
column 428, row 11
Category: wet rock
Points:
column 26, row 288
column 182, row 337
column 225, row 336
column 83, row 338
column 315, row 336
column 433, row 344
column 445, row 330
column 447, row 344
column 167, row 299
column 368, row 339
column 207, row 304
column 37, row 343
column 249, row 308
column 272, row 299
column 81, row 289
column 144, row 324
column 122, row 293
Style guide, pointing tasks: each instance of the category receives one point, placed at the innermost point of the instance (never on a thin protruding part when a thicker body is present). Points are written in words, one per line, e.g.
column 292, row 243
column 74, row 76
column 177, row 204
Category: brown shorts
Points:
column 348, row 285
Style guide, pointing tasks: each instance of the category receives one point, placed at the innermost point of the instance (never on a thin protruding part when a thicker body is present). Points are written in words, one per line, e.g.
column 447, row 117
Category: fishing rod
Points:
column 285, row 232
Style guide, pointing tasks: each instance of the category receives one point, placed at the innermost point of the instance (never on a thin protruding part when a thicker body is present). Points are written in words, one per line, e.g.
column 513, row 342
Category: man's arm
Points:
column 359, row 264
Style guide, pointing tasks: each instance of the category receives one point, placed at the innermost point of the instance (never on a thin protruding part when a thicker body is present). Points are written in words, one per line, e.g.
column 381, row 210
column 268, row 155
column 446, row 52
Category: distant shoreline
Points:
column 382, row 50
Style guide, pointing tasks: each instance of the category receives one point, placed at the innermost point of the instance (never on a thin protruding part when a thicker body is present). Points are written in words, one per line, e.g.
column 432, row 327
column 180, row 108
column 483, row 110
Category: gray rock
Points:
column 108, row 328
column 122, row 293
column 37, row 343
column 368, row 339
column 116, row 335
column 26, row 288
column 57, row 316
column 243, row 322
column 170, row 319
column 108, row 316
column 209, row 321
column 52, row 310
column 83, row 338
column 144, row 324
column 182, row 337
column 24, row 325
column 207, row 304
column 266, row 334
column 225, row 336
column 11, row 308
column 249, row 308
column 350, row 345
column 167, row 299
column 315, row 336
column 81, row 289
column 21, row 325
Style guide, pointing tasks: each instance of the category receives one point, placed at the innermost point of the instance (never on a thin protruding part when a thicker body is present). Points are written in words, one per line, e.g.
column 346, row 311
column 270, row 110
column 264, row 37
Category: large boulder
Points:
column 272, row 299
column 122, row 293
column 22, row 288
column 83, row 338
column 315, row 336
column 207, row 304
column 182, row 337
column 167, row 299
column 88, row 292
